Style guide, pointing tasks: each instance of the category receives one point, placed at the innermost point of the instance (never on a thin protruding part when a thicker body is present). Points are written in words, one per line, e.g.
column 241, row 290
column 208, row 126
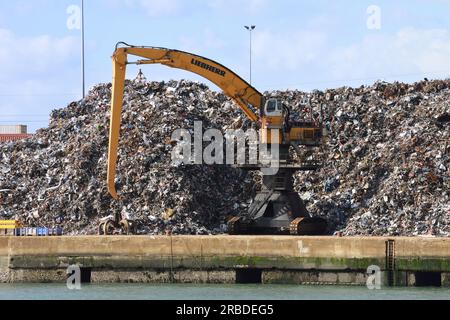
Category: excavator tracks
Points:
column 298, row 227
column 236, row 226
column 308, row 226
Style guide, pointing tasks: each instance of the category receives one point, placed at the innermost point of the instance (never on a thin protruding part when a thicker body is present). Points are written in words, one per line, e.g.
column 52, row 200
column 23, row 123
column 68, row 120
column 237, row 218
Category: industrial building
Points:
column 13, row 133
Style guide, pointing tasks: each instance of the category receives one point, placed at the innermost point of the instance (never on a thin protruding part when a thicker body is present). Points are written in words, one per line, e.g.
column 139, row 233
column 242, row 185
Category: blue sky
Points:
column 313, row 44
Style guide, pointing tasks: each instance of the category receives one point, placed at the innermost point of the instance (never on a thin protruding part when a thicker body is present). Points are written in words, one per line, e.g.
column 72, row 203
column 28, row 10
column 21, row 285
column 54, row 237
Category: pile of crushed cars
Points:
column 386, row 162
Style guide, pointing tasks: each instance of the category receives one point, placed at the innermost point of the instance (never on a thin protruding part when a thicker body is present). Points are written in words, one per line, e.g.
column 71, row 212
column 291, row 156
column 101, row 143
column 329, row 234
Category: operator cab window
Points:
column 271, row 105
column 279, row 106
column 274, row 108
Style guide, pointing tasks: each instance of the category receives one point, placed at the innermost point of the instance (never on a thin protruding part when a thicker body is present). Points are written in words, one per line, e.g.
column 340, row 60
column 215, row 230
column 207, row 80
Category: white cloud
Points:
column 202, row 43
column 406, row 55
column 407, row 52
column 37, row 76
column 288, row 50
column 33, row 54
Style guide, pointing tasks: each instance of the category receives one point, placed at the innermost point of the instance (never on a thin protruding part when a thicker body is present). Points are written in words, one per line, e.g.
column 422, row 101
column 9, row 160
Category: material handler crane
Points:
column 276, row 208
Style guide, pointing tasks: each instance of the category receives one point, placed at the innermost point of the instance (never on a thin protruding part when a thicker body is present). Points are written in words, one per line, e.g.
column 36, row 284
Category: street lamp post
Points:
column 250, row 29
column 82, row 50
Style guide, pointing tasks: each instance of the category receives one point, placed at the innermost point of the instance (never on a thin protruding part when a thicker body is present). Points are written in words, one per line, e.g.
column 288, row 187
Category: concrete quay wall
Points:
column 226, row 259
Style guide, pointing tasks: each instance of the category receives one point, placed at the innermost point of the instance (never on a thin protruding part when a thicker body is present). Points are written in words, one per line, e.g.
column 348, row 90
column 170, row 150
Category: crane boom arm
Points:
column 242, row 93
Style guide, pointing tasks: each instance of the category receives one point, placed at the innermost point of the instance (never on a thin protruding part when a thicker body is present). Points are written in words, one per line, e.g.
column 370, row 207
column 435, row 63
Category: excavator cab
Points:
column 273, row 114
column 273, row 108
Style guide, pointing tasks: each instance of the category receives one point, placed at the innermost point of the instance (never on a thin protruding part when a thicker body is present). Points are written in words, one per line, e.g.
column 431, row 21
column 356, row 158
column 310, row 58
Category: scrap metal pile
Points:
column 386, row 162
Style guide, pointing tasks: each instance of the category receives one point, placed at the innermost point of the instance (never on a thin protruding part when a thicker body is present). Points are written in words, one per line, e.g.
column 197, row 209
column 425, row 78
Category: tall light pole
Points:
column 82, row 50
column 250, row 29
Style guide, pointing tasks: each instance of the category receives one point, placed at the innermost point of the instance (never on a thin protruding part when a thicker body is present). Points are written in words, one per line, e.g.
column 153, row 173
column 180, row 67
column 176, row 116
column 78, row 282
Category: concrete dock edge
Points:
column 227, row 259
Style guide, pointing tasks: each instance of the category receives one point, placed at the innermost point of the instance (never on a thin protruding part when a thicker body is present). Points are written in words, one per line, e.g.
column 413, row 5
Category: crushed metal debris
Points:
column 386, row 162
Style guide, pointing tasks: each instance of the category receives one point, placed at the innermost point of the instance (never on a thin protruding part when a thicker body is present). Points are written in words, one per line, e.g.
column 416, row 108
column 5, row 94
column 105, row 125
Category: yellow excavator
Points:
column 276, row 208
